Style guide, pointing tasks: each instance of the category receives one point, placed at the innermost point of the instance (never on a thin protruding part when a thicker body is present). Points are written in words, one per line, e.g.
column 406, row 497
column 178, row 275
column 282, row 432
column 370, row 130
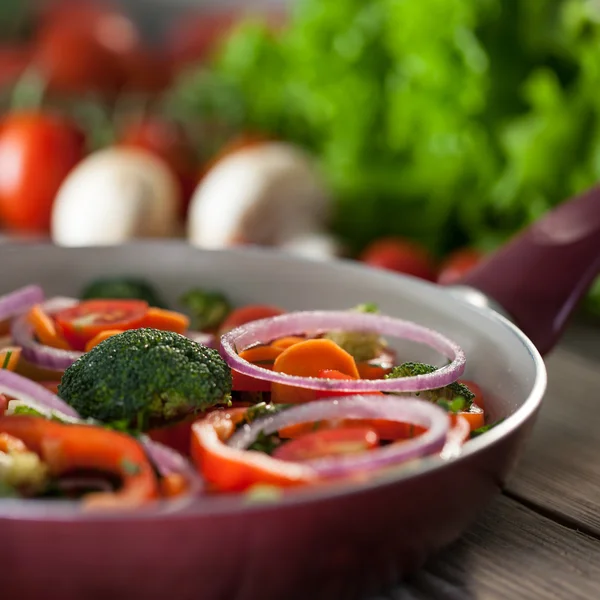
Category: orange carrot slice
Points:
column 167, row 320
column 103, row 335
column 308, row 359
column 45, row 329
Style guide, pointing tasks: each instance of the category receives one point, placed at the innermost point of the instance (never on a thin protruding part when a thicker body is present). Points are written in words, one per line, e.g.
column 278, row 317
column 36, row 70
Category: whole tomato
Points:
column 458, row 264
column 86, row 46
column 400, row 255
column 37, row 151
column 168, row 141
column 13, row 61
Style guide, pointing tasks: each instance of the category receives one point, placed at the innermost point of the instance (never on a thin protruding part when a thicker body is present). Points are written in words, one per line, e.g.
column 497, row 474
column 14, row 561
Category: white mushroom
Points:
column 116, row 195
column 267, row 195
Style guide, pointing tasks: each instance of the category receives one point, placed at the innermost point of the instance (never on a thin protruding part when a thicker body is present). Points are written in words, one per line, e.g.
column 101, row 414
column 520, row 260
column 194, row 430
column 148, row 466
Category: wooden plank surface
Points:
column 513, row 553
column 560, row 470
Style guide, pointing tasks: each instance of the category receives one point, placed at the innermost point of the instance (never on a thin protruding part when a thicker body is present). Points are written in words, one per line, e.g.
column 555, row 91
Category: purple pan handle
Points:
column 540, row 276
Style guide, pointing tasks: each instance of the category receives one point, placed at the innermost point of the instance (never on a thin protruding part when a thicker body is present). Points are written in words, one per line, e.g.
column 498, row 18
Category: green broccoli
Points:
column 448, row 393
column 145, row 377
column 207, row 309
column 362, row 345
column 122, row 288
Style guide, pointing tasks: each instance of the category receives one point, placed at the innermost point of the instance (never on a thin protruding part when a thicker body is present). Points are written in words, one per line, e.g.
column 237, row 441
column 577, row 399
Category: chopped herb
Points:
column 130, row 467
column 266, row 443
column 484, row 428
column 7, row 359
column 368, row 307
column 454, row 406
column 262, row 409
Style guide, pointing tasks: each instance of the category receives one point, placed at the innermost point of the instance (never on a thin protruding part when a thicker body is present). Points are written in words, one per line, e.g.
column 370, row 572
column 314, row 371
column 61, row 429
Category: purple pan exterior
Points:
column 340, row 542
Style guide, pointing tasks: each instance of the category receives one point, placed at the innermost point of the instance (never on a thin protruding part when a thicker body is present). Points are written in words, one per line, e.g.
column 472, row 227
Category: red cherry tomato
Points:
column 333, row 374
column 458, row 264
column 37, row 151
column 247, row 314
column 402, row 256
column 13, row 61
column 177, row 436
column 168, row 141
column 84, row 46
column 87, row 319
column 328, row 442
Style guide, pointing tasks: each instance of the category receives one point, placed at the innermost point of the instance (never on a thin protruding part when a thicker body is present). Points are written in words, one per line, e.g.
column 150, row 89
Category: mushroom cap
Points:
column 263, row 194
column 115, row 195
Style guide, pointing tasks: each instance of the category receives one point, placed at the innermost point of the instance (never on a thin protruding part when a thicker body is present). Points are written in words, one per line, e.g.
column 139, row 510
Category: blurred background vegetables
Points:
column 437, row 128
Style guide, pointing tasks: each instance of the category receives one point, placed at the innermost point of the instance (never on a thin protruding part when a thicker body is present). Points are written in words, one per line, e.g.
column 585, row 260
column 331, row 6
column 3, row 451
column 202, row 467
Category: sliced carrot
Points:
column 100, row 337
column 285, row 342
column 172, row 485
column 475, row 416
column 370, row 371
column 167, row 320
column 263, row 356
column 45, row 329
column 9, row 357
column 308, row 359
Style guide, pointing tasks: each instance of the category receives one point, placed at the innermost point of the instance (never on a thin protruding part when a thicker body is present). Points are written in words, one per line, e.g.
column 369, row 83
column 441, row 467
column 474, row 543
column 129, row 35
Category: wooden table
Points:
column 540, row 539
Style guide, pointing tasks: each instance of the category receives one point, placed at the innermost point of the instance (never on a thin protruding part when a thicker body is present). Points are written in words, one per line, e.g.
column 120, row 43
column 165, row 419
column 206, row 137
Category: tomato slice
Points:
column 87, row 319
column 328, row 442
column 3, row 404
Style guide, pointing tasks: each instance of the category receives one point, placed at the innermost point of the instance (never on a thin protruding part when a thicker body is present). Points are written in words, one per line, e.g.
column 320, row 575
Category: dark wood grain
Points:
column 560, row 470
column 514, row 553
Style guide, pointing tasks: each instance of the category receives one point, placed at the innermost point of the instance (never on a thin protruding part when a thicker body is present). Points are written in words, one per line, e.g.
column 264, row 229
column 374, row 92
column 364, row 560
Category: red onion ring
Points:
column 267, row 330
column 29, row 392
column 20, row 300
column 405, row 410
column 41, row 355
column 456, row 437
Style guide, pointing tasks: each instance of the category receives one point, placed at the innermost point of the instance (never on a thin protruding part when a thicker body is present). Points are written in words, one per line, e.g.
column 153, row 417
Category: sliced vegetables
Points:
column 267, row 330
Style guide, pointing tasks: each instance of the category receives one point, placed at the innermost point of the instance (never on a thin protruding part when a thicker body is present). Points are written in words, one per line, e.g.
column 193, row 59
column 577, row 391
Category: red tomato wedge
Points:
column 87, row 319
column 328, row 442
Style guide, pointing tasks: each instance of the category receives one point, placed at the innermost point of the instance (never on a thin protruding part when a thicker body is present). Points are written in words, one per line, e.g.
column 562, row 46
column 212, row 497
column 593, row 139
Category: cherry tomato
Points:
column 37, row 151
column 87, row 319
column 246, row 314
column 333, row 374
column 402, row 256
column 458, row 264
column 177, row 436
column 13, row 61
column 84, row 46
column 168, row 141
column 328, row 442
column 194, row 37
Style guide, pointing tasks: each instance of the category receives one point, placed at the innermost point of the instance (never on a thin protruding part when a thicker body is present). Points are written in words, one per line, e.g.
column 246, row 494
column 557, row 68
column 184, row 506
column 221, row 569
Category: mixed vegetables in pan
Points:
column 117, row 402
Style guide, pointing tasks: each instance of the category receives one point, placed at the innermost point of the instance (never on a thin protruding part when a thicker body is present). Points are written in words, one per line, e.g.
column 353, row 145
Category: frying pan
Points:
column 344, row 541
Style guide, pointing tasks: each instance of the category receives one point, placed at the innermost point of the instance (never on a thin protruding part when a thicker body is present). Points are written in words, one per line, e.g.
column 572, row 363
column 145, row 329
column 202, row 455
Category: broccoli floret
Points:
column 363, row 346
column 207, row 310
column 145, row 377
column 449, row 392
column 122, row 288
